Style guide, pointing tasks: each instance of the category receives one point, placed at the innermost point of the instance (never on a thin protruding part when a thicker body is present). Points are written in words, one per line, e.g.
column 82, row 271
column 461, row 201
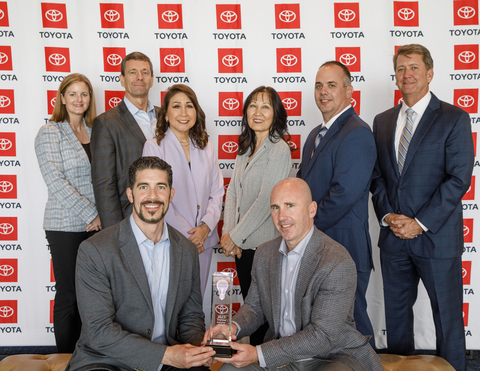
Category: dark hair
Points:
column 414, row 49
column 198, row 132
column 147, row 163
column 278, row 129
column 135, row 56
column 346, row 71
column 60, row 112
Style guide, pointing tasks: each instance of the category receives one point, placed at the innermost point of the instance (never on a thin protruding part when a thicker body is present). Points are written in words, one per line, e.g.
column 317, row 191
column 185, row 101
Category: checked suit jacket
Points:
column 436, row 175
column 115, row 302
column 324, row 297
column 116, row 142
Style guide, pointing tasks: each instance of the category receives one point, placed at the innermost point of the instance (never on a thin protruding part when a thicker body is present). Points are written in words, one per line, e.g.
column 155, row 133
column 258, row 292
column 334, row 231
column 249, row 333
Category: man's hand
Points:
column 217, row 330
column 246, row 355
column 187, row 356
column 403, row 227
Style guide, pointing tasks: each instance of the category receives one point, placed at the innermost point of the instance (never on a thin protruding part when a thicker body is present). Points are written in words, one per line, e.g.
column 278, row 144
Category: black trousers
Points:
column 66, row 320
column 244, row 272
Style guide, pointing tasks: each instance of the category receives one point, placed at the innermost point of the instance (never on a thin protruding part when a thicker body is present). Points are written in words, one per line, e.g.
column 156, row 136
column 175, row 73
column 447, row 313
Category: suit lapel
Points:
column 174, row 276
column 331, row 132
column 72, row 138
column 308, row 160
column 275, row 274
column 129, row 248
column 391, row 124
column 428, row 118
column 129, row 122
column 310, row 260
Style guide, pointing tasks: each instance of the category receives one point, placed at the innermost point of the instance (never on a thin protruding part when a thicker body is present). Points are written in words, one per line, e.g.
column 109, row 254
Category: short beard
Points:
column 142, row 217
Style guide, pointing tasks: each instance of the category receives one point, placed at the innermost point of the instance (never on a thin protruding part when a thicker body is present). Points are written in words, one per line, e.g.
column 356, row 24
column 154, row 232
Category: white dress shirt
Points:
column 147, row 121
column 156, row 260
column 291, row 261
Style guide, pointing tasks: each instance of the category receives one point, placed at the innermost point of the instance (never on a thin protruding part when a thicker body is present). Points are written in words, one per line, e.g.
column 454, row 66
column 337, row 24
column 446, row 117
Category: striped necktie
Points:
column 405, row 139
column 319, row 137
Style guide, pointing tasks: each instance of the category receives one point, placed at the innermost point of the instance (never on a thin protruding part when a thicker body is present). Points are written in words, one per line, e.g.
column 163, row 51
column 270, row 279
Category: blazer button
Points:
column 149, row 331
column 400, row 188
column 198, row 207
column 399, row 212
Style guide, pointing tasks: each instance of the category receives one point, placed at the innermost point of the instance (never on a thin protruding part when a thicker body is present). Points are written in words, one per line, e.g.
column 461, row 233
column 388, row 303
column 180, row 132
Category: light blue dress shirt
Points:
column 147, row 121
column 291, row 262
column 156, row 260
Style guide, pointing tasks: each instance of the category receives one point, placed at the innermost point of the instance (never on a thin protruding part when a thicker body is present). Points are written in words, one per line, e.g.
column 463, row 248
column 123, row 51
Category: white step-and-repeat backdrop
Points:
column 223, row 49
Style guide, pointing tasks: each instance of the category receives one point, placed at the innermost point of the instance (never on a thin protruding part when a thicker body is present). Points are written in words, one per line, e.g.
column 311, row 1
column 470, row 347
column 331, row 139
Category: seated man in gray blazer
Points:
column 303, row 284
column 138, row 286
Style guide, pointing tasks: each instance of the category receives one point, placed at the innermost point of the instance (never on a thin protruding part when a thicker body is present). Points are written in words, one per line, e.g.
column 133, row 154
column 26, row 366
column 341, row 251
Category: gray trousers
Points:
column 310, row 365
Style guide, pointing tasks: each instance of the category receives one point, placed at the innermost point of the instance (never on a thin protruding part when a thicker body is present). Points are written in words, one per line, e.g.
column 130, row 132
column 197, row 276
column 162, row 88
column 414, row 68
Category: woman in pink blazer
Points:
column 182, row 141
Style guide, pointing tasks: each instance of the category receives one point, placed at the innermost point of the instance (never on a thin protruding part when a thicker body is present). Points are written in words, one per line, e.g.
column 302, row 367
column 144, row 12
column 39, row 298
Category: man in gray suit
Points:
column 303, row 284
column 118, row 136
column 138, row 286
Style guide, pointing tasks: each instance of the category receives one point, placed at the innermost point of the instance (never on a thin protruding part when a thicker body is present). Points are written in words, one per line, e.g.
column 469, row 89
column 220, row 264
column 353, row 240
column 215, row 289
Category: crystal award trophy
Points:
column 222, row 313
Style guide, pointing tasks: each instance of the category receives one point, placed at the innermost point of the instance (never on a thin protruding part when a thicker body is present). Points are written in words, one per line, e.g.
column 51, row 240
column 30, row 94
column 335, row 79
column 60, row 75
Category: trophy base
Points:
column 223, row 351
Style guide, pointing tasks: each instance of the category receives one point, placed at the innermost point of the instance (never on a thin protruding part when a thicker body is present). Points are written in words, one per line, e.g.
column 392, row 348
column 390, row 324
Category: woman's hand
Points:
column 199, row 235
column 229, row 247
column 95, row 225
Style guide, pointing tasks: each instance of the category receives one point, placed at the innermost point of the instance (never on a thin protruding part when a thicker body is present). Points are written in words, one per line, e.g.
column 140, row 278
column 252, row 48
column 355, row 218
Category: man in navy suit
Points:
column 337, row 163
column 424, row 167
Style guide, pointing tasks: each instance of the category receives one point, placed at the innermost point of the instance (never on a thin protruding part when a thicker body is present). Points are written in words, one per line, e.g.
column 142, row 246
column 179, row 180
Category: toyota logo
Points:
column 6, row 228
column 288, row 60
column 466, row 12
column 353, row 102
column 230, row 147
column 287, row 16
column 114, row 59
column 6, row 312
column 228, row 16
column 170, row 16
column 466, row 101
column 4, row 101
column 289, row 103
column 52, row 101
column 54, row 15
column 3, row 58
column 346, row 15
column 231, row 270
column 230, row 60
column 400, row 101
column 348, row 59
column 172, row 60
column 5, row 186
column 5, row 144
column 57, row 59
column 2, row 14
column 221, row 309
column 406, row 14
column 230, row 104
column 111, row 15
column 113, row 102
column 466, row 57
column 225, row 187
column 464, row 272
column 292, row 144
column 466, row 230
column 6, row 270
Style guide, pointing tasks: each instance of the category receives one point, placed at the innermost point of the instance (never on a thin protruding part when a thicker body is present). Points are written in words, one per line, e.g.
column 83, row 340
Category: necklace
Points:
column 185, row 143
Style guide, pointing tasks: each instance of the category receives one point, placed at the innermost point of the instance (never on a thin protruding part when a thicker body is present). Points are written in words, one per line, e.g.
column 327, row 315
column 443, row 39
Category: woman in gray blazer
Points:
column 263, row 160
column 62, row 147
